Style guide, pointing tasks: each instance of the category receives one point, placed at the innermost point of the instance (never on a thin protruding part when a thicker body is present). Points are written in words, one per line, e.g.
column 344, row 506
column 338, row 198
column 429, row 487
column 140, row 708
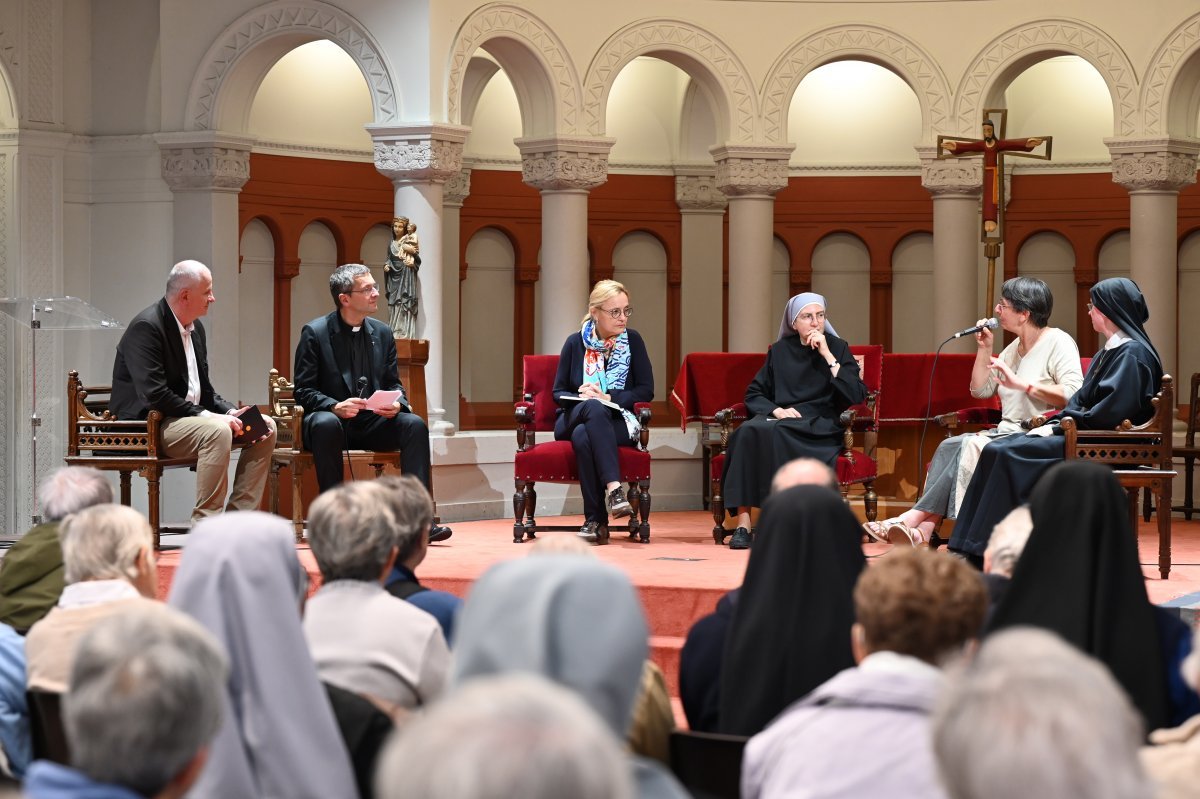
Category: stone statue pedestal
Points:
column 411, row 357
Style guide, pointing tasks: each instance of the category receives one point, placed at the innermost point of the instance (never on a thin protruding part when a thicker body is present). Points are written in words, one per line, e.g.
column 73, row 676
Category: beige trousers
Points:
column 209, row 439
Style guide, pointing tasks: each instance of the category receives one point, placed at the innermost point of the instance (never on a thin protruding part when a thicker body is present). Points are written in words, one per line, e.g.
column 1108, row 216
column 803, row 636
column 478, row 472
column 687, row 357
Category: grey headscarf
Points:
column 240, row 578
column 792, row 310
column 569, row 618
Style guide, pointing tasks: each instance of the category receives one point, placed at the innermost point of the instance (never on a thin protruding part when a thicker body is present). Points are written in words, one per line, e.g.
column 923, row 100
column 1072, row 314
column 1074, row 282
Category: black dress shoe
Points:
column 594, row 533
column 618, row 506
column 741, row 539
column 439, row 533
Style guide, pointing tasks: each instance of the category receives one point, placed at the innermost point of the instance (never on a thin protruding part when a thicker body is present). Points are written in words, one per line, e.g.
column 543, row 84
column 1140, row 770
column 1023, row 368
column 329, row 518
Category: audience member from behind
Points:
column 109, row 566
column 574, row 620
column 918, row 611
column 1173, row 759
column 413, row 508
column 700, row 658
column 31, row 574
column 144, row 704
column 462, row 748
column 653, row 717
column 240, row 578
column 1003, row 551
column 362, row 638
column 1080, row 577
column 791, row 629
column 1032, row 716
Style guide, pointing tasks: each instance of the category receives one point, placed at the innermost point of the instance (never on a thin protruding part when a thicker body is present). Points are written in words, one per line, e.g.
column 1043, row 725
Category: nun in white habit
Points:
column 241, row 579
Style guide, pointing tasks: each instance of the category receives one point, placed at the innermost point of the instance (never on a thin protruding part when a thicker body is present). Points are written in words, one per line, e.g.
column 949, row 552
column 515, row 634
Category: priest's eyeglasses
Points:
column 616, row 313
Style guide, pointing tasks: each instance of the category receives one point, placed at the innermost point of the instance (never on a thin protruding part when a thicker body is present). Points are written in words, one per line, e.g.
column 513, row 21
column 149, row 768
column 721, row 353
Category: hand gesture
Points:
column 234, row 422
column 816, row 340
column 1004, row 375
column 786, row 413
column 984, row 338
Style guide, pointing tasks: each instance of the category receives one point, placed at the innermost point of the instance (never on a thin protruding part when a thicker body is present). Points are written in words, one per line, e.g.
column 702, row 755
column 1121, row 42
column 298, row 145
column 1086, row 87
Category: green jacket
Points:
column 31, row 577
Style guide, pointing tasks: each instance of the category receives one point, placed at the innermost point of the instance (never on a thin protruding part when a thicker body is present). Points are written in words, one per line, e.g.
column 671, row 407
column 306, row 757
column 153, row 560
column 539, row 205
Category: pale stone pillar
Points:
column 453, row 195
column 1153, row 171
column 750, row 176
column 955, row 186
column 702, row 211
column 419, row 159
column 564, row 169
column 206, row 170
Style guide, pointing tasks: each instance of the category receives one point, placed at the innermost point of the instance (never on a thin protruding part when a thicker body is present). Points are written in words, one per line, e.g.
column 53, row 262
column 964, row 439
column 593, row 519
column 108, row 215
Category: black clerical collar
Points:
column 347, row 328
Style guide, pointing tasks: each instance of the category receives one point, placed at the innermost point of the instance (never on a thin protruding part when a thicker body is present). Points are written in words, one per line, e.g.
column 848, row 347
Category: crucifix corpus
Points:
column 993, row 150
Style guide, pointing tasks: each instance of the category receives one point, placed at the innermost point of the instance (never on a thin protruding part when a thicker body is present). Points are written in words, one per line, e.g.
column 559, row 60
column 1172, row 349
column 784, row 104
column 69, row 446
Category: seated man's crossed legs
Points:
column 209, row 439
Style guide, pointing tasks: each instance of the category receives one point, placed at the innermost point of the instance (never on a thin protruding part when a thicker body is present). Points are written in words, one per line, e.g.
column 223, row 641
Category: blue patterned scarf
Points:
column 606, row 364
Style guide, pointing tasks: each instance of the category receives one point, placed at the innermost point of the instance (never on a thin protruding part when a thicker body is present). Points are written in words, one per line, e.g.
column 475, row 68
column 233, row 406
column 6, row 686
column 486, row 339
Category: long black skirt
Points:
column 760, row 446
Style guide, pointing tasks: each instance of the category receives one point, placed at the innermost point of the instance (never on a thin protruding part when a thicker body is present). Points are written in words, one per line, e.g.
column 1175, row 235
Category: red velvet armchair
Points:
column 853, row 467
column 554, row 461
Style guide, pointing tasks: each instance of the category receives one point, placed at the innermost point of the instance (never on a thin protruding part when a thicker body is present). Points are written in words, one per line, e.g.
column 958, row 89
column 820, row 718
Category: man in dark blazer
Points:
column 343, row 358
column 162, row 364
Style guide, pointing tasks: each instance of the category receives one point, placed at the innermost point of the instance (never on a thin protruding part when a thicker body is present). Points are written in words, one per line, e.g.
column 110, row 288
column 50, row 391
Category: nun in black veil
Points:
column 1123, row 378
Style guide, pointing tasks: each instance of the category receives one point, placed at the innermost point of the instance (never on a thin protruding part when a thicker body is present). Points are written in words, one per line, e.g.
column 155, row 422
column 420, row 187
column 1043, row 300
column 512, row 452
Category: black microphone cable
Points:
column 362, row 389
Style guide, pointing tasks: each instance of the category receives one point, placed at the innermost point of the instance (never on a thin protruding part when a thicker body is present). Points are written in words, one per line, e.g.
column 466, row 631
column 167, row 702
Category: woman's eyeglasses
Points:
column 616, row 313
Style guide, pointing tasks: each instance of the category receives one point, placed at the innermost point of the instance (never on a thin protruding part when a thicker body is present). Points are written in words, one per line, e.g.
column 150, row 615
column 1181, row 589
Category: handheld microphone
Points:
column 990, row 324
column 362, row 387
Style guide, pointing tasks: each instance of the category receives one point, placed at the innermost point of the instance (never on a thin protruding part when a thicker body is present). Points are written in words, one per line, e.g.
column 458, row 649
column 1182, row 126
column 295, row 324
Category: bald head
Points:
column 804, row 471
column 186, row 274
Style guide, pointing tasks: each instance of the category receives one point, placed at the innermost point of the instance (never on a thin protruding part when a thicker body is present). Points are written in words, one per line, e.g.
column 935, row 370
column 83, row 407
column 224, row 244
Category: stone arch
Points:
column 235, row 64
column 856, row 42
column 703, row 56
column 542, row 74
column 1013, row 51
column 9, row 118
column 1170, row 98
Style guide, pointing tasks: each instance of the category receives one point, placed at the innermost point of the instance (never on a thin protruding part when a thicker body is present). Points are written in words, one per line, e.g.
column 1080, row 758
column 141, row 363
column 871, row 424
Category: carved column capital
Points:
column 458, row 187
column 205, row 160
column 564, row 163
column 1158, row 164
column 952, row 177
column 696, row 190
column 752, row 170
column 425, row 153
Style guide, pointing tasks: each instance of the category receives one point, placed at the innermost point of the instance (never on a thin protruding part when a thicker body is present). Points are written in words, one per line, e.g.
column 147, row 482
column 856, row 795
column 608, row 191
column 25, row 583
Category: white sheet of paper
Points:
column 382, row 400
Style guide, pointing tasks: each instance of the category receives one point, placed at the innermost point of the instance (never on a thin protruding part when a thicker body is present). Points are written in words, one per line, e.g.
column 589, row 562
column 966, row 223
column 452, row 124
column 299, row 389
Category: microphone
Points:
column 990, row 324
column 362, row 387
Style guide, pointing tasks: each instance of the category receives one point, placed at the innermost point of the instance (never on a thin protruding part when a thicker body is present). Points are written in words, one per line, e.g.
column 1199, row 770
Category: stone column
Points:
column 453, row 195
column 564, row 169
column 419, row 159
column 1153, row 171
column 955, row 186
column 702, row 212
column 205, row 171
column 750, row 176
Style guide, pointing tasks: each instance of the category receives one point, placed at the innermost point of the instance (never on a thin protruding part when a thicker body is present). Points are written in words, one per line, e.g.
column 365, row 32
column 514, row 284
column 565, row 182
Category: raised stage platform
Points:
column 680, row 574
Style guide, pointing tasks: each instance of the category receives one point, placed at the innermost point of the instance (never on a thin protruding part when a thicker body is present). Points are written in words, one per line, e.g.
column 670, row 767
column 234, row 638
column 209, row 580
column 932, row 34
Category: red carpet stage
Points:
column 681, row 573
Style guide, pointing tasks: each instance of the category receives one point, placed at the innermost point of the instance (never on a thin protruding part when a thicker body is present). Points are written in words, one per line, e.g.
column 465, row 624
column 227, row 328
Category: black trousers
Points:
column 595, row 432
column 328, row 436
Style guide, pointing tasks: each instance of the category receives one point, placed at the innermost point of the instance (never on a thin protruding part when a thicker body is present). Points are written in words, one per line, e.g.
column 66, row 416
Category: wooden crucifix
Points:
column 993, row 150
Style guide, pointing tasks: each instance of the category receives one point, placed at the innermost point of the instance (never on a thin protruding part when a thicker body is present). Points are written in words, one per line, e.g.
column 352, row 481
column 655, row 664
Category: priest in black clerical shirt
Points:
column 343, row 358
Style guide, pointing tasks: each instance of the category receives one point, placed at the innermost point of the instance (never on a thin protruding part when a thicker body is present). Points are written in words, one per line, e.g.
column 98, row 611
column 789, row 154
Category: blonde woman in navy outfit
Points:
column 605, row 361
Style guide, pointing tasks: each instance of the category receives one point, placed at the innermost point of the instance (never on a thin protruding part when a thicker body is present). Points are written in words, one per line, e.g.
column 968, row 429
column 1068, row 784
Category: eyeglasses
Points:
column 371, row 289
column 1001, row 306
column 812, row 317
column 616, row 313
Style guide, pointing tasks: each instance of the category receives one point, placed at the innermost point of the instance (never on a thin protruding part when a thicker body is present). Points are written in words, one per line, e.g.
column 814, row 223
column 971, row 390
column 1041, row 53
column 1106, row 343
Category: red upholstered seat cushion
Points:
column 860, row 470
column 554, row 462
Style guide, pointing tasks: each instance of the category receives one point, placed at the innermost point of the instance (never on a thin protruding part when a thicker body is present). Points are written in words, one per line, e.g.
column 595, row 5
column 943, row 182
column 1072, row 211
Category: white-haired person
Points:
column 807, row 380
column 1032, row 716
column 31, row 574
column 362, row 638
column 1173, row 758
column 605, row 361
column 460, row 748
column 110, row 568
column 144, row 705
